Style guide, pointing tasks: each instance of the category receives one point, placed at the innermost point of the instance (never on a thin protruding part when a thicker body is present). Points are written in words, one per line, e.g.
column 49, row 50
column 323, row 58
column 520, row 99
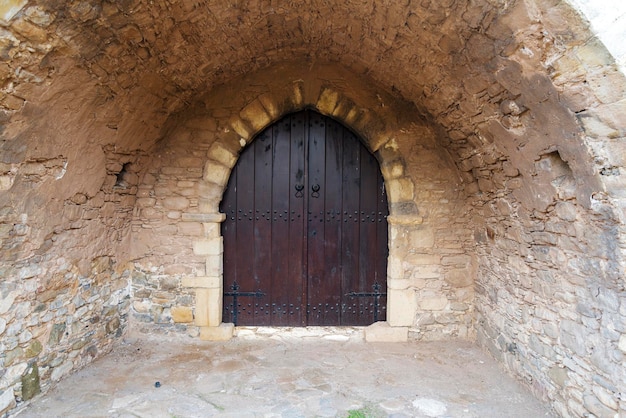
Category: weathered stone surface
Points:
column 182, row 314
column 7, row 400
column 382, row 332
column 176, row 203
column 30, row 383
column 61, row 370
column 208, row 247
column 459, row 278
column 522, row 144
column 222, row 332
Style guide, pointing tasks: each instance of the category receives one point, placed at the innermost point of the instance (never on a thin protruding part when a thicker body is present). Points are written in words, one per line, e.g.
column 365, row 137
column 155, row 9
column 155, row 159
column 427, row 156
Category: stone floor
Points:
column 296, row 372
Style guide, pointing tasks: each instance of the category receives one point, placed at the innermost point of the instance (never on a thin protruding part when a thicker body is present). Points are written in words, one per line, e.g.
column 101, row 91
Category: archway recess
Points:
column 377, row 117
column 499, row 126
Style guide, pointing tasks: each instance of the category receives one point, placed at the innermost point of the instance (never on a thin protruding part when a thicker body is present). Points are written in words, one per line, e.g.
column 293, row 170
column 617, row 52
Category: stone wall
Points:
column 550, row 302
column 64, row 294
column 431, row 272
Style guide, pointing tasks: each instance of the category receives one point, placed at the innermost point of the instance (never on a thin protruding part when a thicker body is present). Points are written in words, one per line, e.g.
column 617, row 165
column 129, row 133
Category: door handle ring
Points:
column 315, row 191
column 299, row 190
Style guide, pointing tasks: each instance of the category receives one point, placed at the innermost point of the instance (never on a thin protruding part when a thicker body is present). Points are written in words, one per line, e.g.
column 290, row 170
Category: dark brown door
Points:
column 305, row 235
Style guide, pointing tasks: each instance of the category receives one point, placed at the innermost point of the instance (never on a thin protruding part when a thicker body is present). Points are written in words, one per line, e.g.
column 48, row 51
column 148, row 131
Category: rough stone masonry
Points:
column 498, row 125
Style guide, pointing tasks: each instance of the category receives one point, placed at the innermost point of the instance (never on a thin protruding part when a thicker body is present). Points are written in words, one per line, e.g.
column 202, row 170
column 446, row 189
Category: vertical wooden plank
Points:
column 332, row 197
column 244, row 234
column 297, row 220
column 368, row 206
column 350, row 233
column 281, row 287
column 262, row 219
column 315, row 221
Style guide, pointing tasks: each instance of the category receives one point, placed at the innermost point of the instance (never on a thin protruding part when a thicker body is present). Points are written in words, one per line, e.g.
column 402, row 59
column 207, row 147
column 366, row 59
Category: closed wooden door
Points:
column 305, row 235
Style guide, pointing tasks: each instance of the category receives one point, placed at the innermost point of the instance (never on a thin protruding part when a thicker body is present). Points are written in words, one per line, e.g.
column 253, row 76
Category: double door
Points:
column 305, row 235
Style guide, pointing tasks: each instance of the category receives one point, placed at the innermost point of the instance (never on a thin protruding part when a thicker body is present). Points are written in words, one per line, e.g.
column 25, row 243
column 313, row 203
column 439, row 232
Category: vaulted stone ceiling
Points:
column 489, row 72
column 505, row 82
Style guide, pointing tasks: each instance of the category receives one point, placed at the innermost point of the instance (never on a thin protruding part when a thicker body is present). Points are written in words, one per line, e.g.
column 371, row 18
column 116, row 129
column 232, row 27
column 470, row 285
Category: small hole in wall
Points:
column 491, row 234
column 121, row 177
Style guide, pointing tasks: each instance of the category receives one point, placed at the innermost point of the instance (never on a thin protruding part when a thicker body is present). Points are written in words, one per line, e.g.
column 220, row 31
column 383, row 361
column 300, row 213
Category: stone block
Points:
column 433, row 303
column 222, row 155
column 426, row 272
column 400, row 189
column 30, row 382
column 403, row 220
column 254, row 113
column 212, row 246
column 422, row 238
column 142, row 306
column 191, row 228
column 459, row 278
column 181, row 314
column 401, row 307
column 208, row 307
column 62, row 370
column 216, row 173
column 395, row 268
column 205, row 282
column 176, row 203
column 383, row 332
column 392, row 170
column 212, row 230
column 203, row 217
column 215, row 266
column 559, row 375
column 270, row 104
column 599, row 410
column 7, row 302
column 460, row 260
column 607, row 398
column 242, row 129
column 7, row 400
column 398, row 284
column 222, row 332
column 566, row 211
column 6, row 182
column 327, row 101
column 573, row 336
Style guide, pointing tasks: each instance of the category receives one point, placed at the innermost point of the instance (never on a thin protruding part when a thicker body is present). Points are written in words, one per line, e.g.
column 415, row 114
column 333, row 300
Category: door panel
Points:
column 305, row 236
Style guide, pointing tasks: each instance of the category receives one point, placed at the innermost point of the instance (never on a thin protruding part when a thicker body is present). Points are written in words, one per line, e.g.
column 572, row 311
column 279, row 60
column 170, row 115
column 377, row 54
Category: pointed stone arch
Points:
column 267, row 108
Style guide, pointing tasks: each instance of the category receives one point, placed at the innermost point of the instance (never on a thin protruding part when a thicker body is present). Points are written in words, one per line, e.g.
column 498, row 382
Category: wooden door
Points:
column 305, row 235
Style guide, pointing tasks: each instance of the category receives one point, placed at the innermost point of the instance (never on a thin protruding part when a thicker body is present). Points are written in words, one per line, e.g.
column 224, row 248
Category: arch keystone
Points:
column 327, row 101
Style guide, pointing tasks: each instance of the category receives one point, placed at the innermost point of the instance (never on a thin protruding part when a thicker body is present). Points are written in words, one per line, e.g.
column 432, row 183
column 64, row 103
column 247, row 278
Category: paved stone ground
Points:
column 317, row 372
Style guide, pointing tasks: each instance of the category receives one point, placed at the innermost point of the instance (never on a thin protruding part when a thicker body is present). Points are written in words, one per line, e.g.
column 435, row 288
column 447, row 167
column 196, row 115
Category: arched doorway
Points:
column 305, row 235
